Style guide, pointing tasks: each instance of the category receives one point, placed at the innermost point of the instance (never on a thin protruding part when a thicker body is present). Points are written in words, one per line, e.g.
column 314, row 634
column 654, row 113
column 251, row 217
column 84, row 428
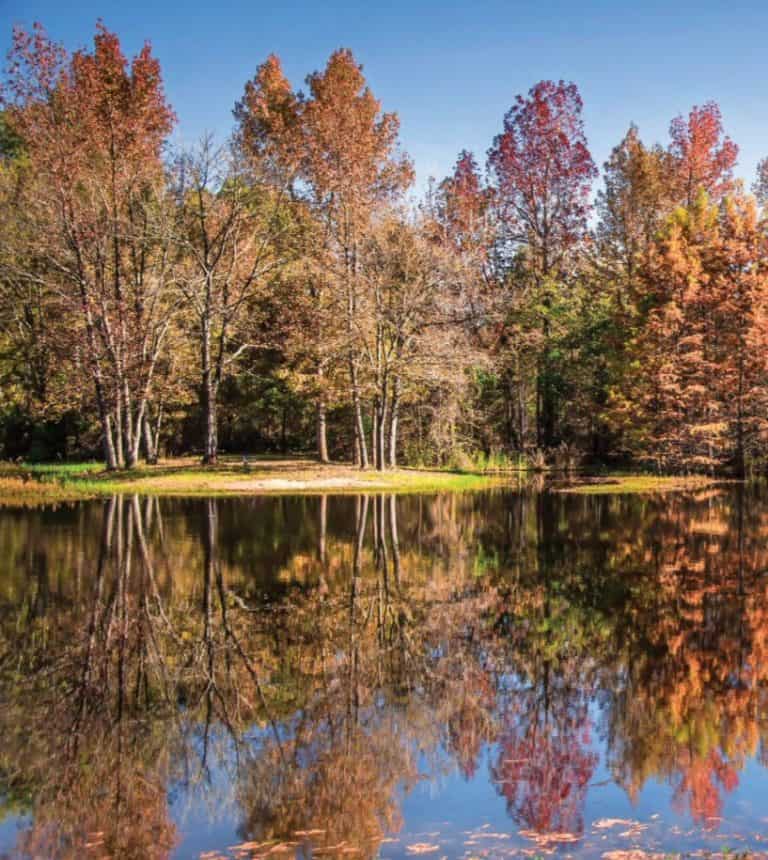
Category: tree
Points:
column 463, row 207
column 417, row 343
column 229, row 227
column 542, row 172
column 337, row 152
column 703, row 158
column 760, row 186
column 699, row 393
column 352, row 167
column 635, row 199
column 92, row 127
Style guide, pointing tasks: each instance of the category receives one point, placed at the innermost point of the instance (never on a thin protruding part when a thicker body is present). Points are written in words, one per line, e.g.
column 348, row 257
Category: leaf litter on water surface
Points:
column 606, row 823
column 546, row 838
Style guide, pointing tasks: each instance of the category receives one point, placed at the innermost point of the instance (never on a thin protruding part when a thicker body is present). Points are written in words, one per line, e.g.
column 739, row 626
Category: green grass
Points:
column 63, row 469
column 640, row 484
column 64, row 481
column 57, row 482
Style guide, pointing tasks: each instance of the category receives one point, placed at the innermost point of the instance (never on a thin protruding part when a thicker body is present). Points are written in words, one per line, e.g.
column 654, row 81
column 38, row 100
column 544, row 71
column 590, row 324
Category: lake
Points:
column 454, row 676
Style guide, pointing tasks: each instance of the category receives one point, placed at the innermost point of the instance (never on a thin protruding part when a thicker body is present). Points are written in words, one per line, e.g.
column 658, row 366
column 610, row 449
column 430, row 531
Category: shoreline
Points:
column 31, row 484
column 39, row 484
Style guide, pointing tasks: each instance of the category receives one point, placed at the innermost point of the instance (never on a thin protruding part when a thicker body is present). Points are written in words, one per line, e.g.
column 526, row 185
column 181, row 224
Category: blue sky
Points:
column 451, row 70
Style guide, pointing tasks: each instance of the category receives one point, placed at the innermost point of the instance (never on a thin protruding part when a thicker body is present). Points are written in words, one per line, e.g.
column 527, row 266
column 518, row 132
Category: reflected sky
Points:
column 458, row 675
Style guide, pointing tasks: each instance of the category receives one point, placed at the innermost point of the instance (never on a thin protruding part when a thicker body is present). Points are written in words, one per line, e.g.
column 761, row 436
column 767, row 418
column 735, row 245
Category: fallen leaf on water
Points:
column 421, row 848
column 315, row 832
column 328, row 849
column 605, row 823
column 489, row 835
column 631, row 855
column 635, row 830
column 544, row 838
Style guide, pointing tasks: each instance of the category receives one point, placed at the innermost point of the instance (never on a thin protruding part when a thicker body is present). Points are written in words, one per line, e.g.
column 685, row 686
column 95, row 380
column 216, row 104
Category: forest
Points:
column 288, row 290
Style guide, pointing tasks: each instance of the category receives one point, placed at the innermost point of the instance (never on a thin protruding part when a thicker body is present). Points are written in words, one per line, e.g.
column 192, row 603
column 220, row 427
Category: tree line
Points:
column 284, row 290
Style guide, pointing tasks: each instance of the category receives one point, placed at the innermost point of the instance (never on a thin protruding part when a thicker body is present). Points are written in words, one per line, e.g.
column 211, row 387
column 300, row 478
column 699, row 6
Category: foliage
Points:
column 280, row 292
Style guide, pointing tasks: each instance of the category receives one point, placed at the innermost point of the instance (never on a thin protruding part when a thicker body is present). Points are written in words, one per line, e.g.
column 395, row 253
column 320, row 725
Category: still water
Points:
column 472, row 675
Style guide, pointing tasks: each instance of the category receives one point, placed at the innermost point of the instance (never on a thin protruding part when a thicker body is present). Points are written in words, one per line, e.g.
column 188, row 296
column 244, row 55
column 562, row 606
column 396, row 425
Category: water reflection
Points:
column 299, row 667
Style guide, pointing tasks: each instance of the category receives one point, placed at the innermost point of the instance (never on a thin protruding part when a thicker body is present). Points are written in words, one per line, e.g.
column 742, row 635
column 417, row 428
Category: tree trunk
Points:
column 109, row 443
column 358, row 416
column 322, row 432
column 119, row 448
column 210, row 452
column 375, row 431
column 322, row 417
column 210, row 441
column 393, row 420
column 381, row 453
column 740, row 459
column 149, row 442
column 110, row 455
column 131, row 439
column 136, row 432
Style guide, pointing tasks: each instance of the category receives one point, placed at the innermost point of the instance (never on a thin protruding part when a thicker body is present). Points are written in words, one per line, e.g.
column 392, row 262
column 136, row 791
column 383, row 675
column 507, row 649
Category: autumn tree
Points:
column 632, row 204
column 229, row 226
column 703, row 156
column 339, row 153
column 699, row 392
column 417, row 343
column 352, row 166
column 271, row 131
column 643, row 186
column 92, row 126
column 462, row 208
column 542, row 172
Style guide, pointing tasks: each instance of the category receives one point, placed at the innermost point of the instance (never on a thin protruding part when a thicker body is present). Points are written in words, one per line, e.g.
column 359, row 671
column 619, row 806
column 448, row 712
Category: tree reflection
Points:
column 303, row 664
column 76, row 686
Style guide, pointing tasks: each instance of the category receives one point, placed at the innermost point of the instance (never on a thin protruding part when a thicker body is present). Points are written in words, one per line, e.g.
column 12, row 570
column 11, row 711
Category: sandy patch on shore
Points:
column 287, row 484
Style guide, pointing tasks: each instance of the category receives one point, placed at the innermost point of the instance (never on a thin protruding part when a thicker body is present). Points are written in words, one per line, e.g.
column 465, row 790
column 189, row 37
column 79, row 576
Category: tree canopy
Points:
column 285, row 289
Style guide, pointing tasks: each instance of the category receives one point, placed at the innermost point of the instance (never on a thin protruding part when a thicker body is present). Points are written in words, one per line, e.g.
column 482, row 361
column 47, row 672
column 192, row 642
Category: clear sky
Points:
column 451, row 70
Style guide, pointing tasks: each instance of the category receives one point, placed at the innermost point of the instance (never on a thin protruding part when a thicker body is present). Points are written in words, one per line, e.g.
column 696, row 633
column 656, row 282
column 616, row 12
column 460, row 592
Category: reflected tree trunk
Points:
column 323, row 530
column 394, row 538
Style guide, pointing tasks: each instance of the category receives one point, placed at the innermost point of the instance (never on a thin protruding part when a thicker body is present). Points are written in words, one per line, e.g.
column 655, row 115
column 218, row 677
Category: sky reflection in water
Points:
column 454, row 676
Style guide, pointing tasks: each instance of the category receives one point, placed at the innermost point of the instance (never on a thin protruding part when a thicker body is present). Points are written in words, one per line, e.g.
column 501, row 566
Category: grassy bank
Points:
column 32, row 483
column 60, row 482
column 636, row 484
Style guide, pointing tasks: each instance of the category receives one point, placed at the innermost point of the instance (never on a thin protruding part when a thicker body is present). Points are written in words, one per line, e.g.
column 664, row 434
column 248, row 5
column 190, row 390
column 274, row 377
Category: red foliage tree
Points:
column 464, row 204
column 543, row 173
column 703, row 157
